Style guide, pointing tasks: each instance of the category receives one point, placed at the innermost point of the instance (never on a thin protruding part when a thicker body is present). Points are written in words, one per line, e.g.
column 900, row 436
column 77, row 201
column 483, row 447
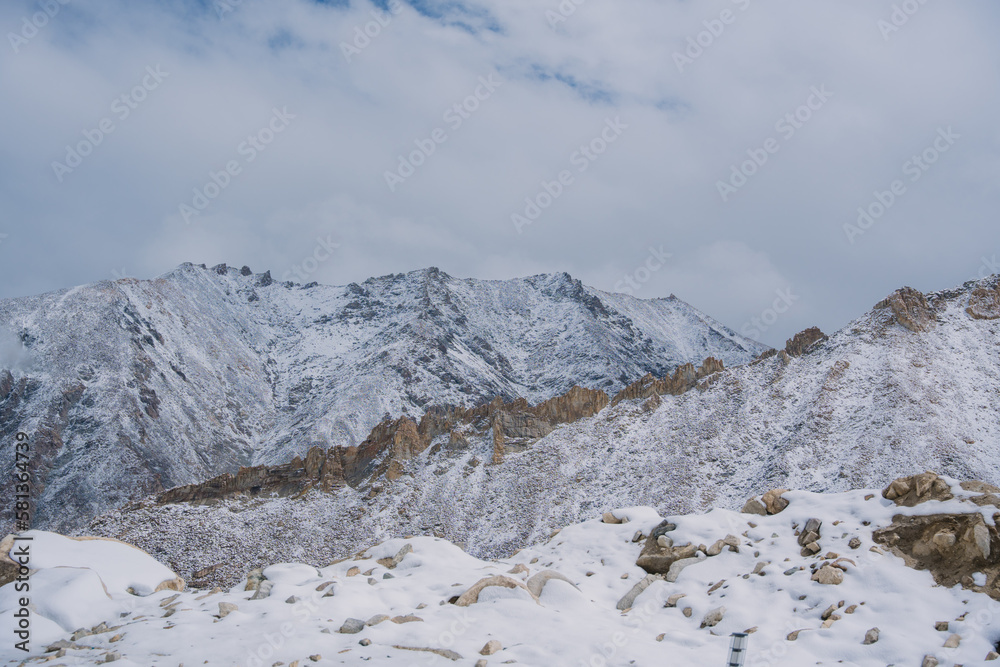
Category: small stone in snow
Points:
column 929, row 661
column 953, row 641
column 491, row 647
column 871, row 636
column 941, row 626
column 713, row 617
column 352, row 626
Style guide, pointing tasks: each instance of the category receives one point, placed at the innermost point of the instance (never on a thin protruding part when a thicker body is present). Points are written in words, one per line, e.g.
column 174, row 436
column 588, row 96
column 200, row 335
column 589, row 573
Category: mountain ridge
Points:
column 136, row 386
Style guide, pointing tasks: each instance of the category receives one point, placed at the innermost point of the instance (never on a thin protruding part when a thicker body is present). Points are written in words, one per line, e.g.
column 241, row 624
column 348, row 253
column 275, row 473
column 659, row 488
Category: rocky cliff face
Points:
column 134, row 387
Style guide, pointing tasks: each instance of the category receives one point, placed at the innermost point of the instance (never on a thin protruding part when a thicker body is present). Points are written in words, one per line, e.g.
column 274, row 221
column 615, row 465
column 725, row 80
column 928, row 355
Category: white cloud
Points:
column 325, row 174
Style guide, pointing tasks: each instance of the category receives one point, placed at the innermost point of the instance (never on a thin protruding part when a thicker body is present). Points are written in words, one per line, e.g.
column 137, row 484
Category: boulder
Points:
column 629, row 598
column 537, row 583
column 491, row 647
column 658, row 555
column 391, row 563
column 911, row 491
column 810, row 532
column 352, row 626
column 773, row 501
column 471, row 596
column 754, row 506
column 829, row 575
column 713, row 617
column 678, row 565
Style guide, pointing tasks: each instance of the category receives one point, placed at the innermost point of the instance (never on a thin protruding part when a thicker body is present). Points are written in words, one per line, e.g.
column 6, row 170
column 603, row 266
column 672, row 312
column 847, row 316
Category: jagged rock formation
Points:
column 134, row 386
column 686, row 377
column 804, row 340
column 984, row 304
column 512, row 426
column 910, row 308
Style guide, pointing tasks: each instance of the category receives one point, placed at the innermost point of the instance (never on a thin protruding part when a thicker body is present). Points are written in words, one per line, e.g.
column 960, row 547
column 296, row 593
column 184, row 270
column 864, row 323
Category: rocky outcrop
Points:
column 771, row 502
column 984, row 304
column 685, row 378
column 660, row 556
column 802, row 342
column 910, row 308
column 323, row 469
column 910, row 491
column 393, row 442
column 951, row 546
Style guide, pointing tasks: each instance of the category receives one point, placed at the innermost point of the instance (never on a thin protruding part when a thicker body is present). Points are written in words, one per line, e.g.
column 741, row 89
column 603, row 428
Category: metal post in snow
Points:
column 738, row 649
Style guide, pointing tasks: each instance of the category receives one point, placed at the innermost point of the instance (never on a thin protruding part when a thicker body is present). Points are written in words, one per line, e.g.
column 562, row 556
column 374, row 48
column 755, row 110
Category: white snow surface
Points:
column 573, row 623
column 135, row 386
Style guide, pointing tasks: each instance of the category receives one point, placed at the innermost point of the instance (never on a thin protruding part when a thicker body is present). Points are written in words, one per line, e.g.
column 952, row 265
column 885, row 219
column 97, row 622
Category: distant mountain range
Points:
column 912, row 385
column 131, row 387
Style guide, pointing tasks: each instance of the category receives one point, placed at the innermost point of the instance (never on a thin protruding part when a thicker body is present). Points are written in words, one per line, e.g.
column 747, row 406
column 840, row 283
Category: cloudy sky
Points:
column 716, row 150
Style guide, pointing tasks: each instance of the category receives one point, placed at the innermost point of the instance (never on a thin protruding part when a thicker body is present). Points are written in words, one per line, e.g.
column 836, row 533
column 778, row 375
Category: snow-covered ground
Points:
column 765, row 589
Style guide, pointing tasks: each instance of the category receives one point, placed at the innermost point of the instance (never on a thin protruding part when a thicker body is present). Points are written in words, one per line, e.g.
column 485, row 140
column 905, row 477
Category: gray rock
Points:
column 629, row 598
column 713, row 618
column 352, row 626
column 263, row 591
column 871, row 636
column 679, row 565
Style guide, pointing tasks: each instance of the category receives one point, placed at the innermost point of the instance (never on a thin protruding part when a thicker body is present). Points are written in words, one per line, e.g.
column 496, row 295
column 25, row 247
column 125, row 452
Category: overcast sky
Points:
column 830, row 101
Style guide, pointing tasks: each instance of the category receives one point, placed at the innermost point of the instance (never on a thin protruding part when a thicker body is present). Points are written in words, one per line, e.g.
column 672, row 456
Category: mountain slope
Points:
column 136, row 386
column 913, row 384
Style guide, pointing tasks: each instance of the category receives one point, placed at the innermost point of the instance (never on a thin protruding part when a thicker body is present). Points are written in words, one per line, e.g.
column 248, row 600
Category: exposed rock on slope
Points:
column 956, row 546
column 514, row 425
column 138, row 386
column 910, row 308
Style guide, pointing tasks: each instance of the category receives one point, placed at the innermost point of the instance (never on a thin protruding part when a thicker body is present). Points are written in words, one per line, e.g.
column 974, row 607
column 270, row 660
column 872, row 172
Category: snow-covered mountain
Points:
column 130, row 387
column 914, row 384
